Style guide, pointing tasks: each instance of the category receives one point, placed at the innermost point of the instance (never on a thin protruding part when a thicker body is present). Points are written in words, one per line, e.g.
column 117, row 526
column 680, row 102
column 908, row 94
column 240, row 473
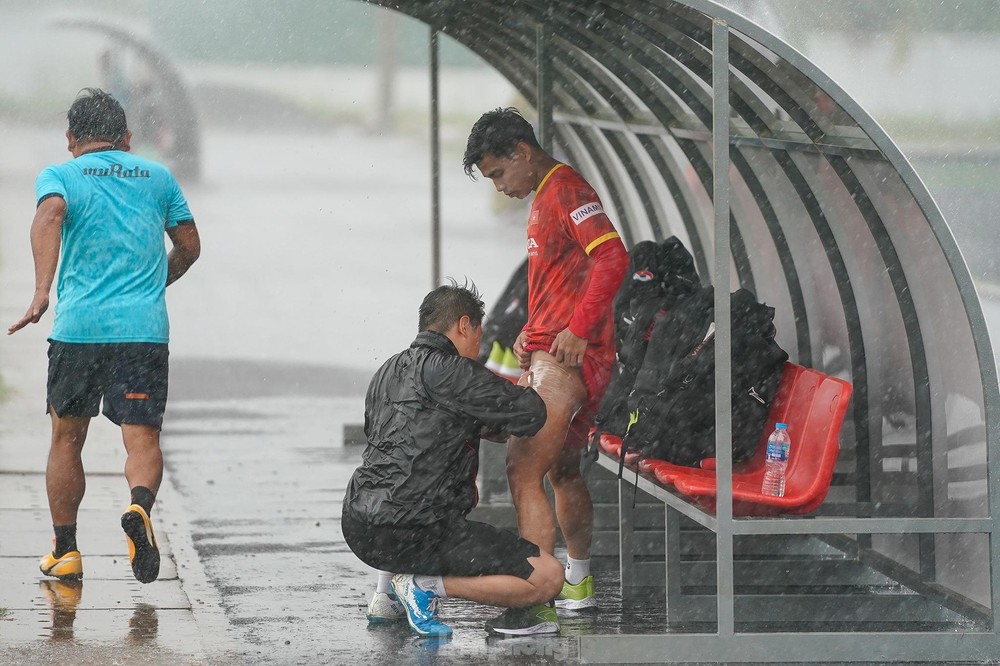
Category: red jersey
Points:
column 567, row 223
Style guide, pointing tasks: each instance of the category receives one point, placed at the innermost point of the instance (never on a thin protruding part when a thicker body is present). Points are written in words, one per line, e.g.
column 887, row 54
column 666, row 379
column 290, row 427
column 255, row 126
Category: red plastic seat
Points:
column 612, row 445
column 813, row 405
column 665, row 472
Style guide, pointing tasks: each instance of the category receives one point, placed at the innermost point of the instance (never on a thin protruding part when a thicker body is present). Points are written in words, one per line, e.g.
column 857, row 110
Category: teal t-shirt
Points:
column 113, row 269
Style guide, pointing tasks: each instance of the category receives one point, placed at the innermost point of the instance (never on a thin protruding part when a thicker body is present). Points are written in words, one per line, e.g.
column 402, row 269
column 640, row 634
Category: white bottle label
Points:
column 777, row 451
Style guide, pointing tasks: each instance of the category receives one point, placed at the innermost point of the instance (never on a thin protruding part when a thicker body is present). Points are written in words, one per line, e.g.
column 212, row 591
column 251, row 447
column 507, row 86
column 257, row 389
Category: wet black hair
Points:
column 497, row 132
column 96, row 116
column 447, row 304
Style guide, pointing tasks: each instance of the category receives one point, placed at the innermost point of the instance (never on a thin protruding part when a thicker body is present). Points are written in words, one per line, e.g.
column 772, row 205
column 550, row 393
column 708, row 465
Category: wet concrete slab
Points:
column 269, row 362
column 139, row 634
column 292, row 591
column 24, row 593
column 106, row 618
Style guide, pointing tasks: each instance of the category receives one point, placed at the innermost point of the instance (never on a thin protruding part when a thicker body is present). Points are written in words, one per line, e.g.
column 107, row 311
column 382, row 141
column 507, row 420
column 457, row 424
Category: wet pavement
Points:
column 108, row 617
column 289, row 585
column 312, row 270
column 265, row 376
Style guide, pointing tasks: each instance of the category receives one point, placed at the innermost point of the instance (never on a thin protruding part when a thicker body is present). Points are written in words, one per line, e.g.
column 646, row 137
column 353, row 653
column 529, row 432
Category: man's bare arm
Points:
column 186, row 250
column 46, row 230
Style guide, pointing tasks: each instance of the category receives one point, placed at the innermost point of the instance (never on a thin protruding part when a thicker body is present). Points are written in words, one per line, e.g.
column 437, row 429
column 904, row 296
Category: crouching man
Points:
column 406, row 506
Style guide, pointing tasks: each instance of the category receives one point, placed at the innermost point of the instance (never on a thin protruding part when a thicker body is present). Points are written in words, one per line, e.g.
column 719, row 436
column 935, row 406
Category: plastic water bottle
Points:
column 777, row 460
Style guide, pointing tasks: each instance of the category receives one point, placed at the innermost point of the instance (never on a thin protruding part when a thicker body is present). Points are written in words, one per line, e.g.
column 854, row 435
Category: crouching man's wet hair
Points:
column 497, row 133
column 97, row 116
column 449, row 303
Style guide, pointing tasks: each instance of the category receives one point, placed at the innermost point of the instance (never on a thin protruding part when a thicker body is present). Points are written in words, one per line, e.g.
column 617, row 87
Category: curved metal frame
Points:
column 664, row 123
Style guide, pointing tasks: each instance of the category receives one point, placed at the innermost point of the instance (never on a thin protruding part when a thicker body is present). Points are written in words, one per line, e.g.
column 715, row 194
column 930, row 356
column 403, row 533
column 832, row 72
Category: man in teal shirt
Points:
column 107, row 211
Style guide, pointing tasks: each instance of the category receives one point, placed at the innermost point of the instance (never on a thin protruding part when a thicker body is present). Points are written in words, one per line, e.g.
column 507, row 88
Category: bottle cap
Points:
column 780, row 426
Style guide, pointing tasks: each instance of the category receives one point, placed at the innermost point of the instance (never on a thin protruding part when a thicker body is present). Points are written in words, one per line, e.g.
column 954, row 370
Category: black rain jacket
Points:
column 424, row 412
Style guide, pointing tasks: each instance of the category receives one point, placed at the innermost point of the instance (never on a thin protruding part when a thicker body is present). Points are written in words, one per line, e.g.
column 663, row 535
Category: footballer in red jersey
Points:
column 576, row 262
column 566, row 227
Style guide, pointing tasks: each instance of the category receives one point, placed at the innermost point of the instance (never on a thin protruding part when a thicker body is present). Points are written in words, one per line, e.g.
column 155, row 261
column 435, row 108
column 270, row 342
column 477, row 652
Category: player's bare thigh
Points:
column 563, row 391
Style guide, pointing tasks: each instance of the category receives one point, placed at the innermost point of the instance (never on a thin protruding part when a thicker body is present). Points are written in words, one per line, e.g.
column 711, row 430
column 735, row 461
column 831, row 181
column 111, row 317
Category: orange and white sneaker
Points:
column 67, row 567
column 63, row 595
column 142, row 550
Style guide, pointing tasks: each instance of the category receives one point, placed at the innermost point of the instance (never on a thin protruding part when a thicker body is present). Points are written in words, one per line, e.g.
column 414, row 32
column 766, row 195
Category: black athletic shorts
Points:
column 131, row 378
column 457, row 547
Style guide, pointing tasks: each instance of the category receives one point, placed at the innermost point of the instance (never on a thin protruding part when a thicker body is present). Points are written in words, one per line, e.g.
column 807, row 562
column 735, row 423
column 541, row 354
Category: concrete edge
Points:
column 206, row 603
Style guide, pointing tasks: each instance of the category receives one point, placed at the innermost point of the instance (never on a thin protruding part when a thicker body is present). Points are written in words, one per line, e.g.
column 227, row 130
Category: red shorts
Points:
column 596, row 377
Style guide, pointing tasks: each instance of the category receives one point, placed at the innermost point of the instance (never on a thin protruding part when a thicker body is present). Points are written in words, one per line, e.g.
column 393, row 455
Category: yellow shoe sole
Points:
column 142, row 550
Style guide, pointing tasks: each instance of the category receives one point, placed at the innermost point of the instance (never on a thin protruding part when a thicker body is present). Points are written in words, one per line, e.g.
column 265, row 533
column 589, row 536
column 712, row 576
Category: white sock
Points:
column 382, row 586
column 433, row 584
column 576, row 570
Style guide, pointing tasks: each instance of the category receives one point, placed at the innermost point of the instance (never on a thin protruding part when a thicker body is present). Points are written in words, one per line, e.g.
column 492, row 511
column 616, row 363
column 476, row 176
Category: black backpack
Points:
column 656, row 270
column 612, row 414
column 660, row 275
column 672, row 404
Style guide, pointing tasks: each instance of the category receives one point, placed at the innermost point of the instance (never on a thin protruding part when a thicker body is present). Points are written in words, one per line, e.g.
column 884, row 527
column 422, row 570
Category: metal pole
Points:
column 435, row 166
column 723, row 332
column 544, row 82
column 387, row 59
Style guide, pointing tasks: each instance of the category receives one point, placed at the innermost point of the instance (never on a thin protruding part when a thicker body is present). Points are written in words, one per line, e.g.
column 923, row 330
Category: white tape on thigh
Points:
column 556, row 383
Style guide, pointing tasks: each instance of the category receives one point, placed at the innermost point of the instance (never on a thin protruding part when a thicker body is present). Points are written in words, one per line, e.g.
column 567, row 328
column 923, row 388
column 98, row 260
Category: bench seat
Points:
column 813, row 405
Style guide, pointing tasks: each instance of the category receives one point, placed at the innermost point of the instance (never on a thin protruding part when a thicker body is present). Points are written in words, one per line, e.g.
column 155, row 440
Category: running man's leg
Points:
column 143, row 471
column 65, row 484
column 144, row 459
column 73, row 395
column 65, row 481
column 529, row 459
column 136, row 399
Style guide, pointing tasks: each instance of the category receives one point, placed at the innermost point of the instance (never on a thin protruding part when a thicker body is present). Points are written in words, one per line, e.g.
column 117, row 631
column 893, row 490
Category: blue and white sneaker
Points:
column 385, row 607
column 421, row 607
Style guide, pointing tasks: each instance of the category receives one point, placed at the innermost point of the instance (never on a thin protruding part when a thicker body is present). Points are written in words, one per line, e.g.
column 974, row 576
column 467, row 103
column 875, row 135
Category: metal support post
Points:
column 723, row 333
column 435, row 165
